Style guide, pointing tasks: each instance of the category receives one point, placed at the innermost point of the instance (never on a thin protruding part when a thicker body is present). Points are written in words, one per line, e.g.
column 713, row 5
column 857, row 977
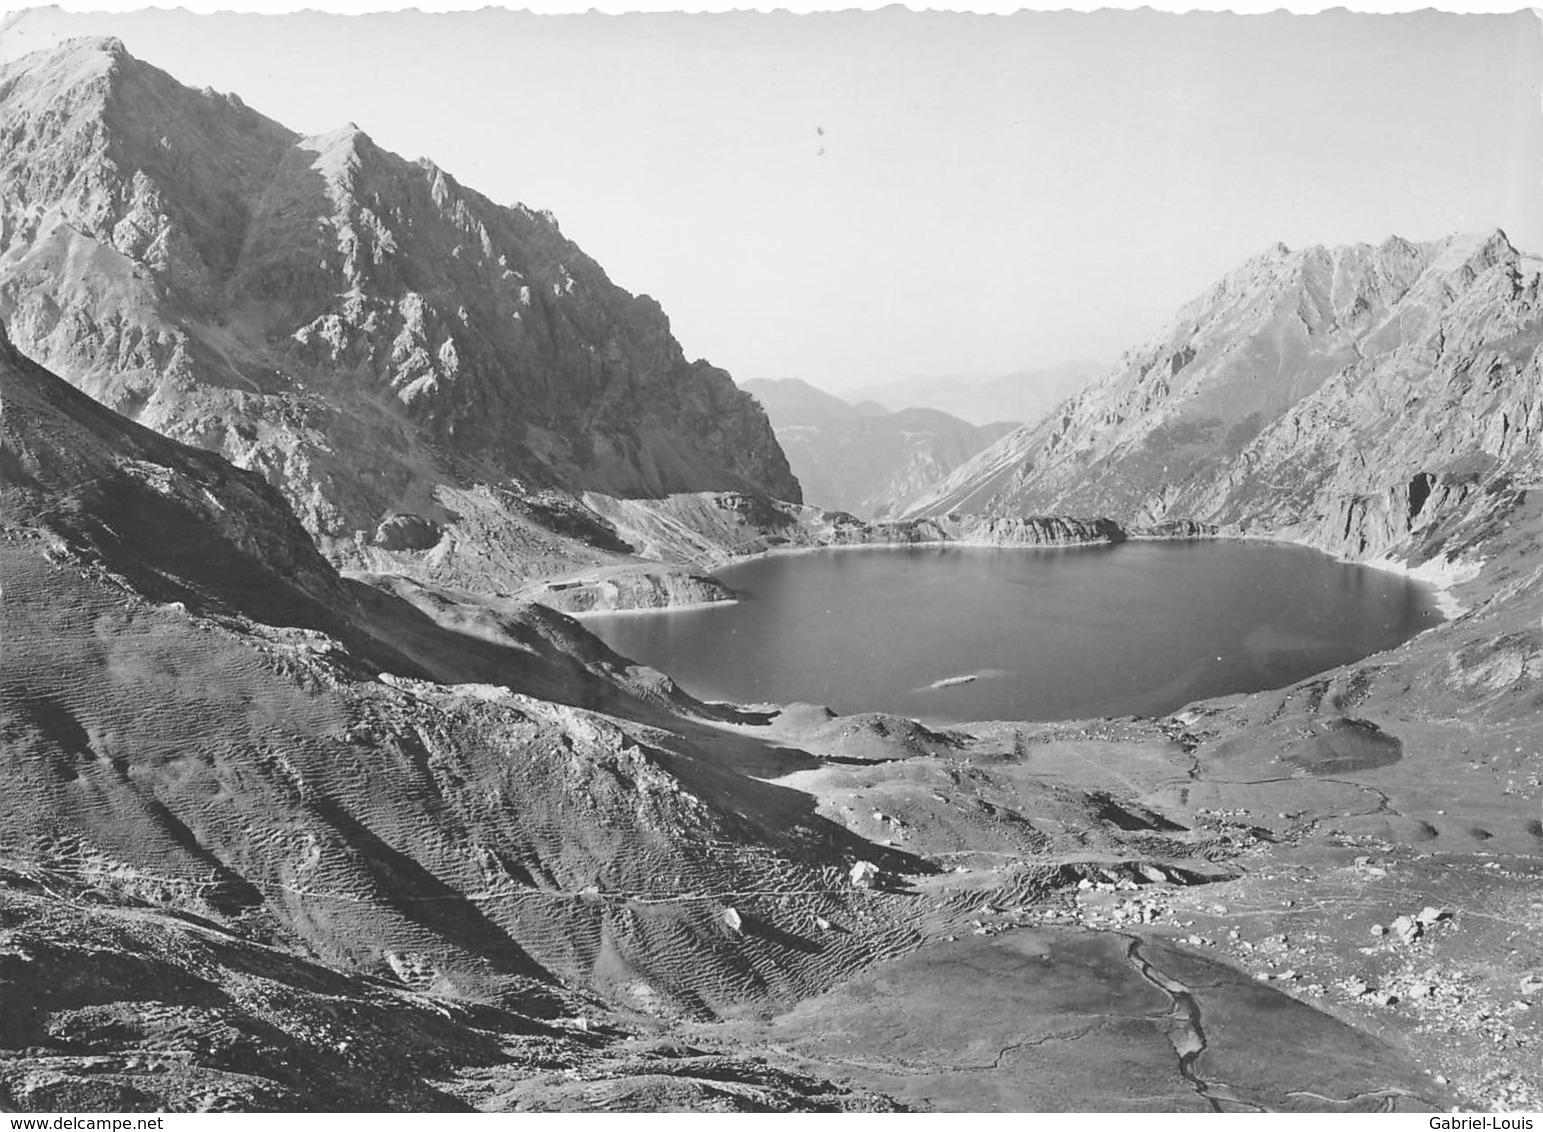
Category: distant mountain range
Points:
column 415, row 367
column 861, row 458
column 1362, row 399
column 1024, row 396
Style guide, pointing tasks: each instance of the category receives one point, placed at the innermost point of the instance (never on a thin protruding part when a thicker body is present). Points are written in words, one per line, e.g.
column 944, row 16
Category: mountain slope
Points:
column 198, row 711
column 1361, row 399
column 135, row 1008
column 390, row 349
column 859, row 458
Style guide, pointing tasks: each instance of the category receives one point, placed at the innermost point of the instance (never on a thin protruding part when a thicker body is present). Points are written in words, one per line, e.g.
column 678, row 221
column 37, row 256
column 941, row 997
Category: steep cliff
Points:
column 863, row 458
column 1365, row 400
column 390, row 349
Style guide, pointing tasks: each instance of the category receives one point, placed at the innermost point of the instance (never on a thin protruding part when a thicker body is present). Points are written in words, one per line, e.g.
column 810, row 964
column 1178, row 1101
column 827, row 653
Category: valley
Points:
column 318, row 798
column 864, row 459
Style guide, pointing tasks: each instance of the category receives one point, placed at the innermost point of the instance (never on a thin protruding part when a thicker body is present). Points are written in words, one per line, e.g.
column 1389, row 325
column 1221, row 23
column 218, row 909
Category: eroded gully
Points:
column 1183, row 1029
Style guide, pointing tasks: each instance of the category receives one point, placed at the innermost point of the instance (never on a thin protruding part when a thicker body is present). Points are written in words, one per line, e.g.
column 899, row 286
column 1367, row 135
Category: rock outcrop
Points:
column 1364, row 400
column 632, row 588
column 701, row 532
column 411, row 364
column 980, row 530
column 862, row 458
column 726, row 527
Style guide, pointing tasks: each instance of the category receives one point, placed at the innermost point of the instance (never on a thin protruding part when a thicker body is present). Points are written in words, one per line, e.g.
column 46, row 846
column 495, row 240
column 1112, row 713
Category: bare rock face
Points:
column 1362, row 399
column 377, row 340
column 981, row 530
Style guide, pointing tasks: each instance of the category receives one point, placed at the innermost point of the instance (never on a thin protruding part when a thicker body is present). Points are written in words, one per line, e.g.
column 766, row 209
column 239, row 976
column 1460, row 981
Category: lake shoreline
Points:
column 1140, row 632
column 634, row 611
column 1440, row 577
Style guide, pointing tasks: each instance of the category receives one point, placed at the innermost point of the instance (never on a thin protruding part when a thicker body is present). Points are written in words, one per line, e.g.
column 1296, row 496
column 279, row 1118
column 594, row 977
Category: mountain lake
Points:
column 951, row 633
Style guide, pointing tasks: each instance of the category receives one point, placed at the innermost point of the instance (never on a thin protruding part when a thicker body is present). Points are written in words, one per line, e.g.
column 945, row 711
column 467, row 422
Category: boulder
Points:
column 1407, row 929
column 864, row 874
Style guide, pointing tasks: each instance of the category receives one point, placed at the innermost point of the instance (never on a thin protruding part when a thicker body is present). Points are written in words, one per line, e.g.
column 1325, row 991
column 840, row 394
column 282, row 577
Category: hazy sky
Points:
column 854, row 197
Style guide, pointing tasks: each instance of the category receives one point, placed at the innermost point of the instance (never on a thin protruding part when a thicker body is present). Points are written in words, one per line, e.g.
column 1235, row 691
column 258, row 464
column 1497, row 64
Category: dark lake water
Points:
column 1136, row 628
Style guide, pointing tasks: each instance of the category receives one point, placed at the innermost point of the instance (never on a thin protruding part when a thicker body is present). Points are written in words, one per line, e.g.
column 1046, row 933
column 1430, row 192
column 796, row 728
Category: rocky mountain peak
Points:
column 73, row 63
column 1474, row 253
column 125, row 156
column 1305, row 392
column 362, row 328
column 108, row 46
column 339, row 154
column 348, row 136
column 1337, row 297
